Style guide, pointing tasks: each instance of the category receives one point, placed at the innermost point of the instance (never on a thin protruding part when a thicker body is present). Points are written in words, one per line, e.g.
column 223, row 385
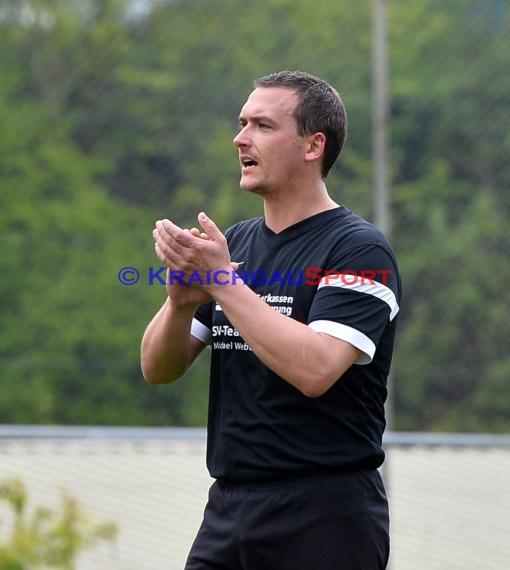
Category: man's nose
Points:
column 241, row 139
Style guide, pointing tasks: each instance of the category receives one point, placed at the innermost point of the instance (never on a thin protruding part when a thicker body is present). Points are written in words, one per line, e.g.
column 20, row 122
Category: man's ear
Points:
column 315, row 146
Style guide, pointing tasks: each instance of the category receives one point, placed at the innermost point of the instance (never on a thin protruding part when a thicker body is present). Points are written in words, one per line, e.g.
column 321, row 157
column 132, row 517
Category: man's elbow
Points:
column 327, row 368
column 316, row 382
column 155, row 376
column 316, row 385
column 314, row 391
column 155, row 380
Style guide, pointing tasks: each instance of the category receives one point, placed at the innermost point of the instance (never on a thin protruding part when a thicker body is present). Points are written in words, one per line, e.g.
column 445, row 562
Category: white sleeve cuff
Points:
column 348, row 334
column 201, row 332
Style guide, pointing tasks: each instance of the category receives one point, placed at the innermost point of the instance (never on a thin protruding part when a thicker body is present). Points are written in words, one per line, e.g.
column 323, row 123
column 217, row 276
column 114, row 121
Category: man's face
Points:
column 270, row 150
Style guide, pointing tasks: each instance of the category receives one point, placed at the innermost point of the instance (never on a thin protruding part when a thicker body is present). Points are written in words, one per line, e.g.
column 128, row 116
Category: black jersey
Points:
column 337, row 273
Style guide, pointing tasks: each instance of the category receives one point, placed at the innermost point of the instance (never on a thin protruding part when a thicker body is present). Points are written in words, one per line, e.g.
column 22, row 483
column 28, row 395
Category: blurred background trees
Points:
column 114, row 113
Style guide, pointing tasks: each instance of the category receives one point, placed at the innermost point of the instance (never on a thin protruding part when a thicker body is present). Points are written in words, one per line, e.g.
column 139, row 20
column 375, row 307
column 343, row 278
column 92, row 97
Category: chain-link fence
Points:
column 450, row 494
column 450, row 498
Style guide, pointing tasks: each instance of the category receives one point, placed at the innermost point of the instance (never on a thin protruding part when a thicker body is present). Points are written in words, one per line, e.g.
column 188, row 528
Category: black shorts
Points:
column 334, row 522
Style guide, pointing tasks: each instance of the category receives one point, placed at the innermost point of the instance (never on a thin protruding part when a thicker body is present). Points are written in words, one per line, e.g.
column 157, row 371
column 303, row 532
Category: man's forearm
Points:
column 310, row 361
column 166, row 350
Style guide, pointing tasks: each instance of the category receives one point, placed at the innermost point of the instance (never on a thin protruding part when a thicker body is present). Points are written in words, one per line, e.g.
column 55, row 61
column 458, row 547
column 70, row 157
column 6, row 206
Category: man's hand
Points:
column 194, row 253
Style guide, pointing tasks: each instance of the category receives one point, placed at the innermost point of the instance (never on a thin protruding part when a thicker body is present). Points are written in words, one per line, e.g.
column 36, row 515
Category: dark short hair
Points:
column 319, row 109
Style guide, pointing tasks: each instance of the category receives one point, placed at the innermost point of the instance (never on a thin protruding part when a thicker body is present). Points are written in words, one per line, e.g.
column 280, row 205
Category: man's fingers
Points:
column 197, row 233
column 166, row 249
column 211, row 229
column 172, row 239
column 174, row 234
column 160, row 254
column 188, row 248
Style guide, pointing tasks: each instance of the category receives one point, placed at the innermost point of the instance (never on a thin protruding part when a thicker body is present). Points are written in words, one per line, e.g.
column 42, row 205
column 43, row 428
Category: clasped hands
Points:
column 192, row 252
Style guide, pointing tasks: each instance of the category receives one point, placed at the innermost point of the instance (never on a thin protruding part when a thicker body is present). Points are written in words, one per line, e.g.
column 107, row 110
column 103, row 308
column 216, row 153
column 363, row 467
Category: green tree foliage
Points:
column 69, row 347
column 116, row 113
column 47, row 538
column 451, row 202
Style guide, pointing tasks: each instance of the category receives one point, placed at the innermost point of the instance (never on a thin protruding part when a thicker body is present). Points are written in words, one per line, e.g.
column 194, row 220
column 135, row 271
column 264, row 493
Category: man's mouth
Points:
column 248, row 163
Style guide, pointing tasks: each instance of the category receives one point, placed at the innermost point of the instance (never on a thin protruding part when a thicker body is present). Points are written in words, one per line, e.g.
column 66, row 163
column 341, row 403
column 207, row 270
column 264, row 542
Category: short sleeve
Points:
column 357, row 297
column 201, row 325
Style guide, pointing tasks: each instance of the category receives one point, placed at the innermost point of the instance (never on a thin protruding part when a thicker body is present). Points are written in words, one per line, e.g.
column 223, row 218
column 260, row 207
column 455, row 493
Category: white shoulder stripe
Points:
column 364, row 285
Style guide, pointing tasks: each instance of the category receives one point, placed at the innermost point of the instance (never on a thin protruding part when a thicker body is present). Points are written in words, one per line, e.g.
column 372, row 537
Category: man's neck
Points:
column 281, row 212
